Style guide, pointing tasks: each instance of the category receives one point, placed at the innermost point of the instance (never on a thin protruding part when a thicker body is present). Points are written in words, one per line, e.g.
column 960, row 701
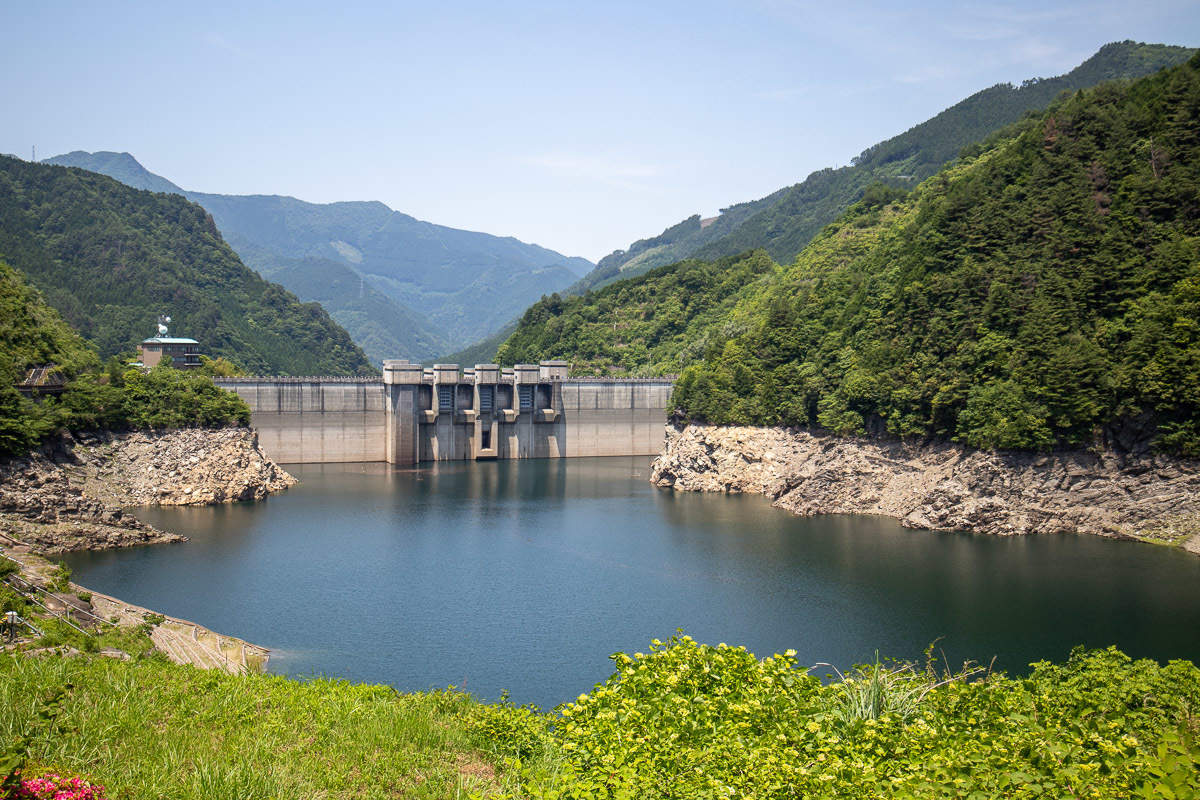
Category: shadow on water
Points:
column 527, row 575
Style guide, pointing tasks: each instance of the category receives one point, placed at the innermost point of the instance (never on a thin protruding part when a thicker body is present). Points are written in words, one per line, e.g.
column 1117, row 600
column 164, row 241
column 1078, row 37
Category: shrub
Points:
column 60, row 579
column 690, row 720
column 8, row 567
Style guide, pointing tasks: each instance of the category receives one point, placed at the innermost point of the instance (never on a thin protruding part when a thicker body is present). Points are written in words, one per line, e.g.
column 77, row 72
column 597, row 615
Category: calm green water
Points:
column 527, row 575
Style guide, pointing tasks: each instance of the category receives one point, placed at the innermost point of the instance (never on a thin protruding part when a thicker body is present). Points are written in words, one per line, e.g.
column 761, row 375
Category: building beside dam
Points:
column 414, row 414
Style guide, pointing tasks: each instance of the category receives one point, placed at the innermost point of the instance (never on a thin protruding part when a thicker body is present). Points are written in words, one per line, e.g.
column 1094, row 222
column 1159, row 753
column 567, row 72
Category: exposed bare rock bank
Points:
column 942, row 486
column 68, row 495
column 188, row 467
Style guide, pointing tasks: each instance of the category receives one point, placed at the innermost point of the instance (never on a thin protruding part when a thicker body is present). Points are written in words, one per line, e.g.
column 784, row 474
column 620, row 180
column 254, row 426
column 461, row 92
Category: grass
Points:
column 871, row 691
column 683, row 720
column 147, row 729
column 134, row 641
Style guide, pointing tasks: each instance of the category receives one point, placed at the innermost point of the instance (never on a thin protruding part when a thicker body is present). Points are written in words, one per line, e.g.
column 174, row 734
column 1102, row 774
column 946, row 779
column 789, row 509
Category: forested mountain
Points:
column 450, row 287
column 111, row 258
column 33, row 335
column 784, row 222
column 1042, row 290
column 1032, row 295
column 483, row 351
column 382, row 327
column 647, row 325
column 121, row 166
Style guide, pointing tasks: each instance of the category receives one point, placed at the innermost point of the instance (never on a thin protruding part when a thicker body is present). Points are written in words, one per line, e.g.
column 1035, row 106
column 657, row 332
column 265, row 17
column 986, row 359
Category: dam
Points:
column 415, row 414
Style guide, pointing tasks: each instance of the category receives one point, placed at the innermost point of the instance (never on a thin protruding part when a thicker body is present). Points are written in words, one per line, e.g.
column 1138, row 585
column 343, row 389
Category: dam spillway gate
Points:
column 414, row 414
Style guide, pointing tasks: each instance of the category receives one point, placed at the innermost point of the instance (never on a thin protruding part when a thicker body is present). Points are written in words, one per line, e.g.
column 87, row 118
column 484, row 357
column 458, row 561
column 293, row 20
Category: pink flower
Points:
column 55, row 787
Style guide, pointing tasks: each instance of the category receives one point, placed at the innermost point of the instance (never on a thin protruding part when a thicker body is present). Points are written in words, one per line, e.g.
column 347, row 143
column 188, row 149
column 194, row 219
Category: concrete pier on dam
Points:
column 414, row 414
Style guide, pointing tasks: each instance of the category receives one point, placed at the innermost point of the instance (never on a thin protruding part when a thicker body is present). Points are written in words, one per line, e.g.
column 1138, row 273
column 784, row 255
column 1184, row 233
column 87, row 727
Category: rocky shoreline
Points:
column 941, row 485
column 69, row 494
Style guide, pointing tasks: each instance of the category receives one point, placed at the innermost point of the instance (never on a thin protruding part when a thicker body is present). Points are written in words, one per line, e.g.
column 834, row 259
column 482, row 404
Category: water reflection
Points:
column 527, row 575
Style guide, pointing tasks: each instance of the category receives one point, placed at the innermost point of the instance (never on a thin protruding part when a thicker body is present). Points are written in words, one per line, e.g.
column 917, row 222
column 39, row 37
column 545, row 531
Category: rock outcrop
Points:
column 941, row 485
column 178, row 468
column 68, row 495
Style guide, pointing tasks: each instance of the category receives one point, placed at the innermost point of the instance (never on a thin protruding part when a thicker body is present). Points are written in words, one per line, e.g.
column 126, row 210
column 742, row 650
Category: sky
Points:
column 578, row 126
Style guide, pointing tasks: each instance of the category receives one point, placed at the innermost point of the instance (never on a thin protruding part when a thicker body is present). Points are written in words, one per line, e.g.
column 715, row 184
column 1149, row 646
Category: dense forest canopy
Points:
column 646, row 326
column 1028, row 296
column 97, row 396
column 111, row 258
column 1042, row 290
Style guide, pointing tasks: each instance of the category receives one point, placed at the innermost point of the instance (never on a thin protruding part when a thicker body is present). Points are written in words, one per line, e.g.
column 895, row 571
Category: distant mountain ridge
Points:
column 110, row 259
column 436, row 288
column 786, row 220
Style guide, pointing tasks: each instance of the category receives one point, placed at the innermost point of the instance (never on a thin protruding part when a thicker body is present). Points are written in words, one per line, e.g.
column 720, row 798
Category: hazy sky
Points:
column 578, row 126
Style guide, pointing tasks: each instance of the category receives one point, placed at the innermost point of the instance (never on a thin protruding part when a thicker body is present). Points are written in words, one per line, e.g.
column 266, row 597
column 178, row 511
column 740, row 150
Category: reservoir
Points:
column 525, row 575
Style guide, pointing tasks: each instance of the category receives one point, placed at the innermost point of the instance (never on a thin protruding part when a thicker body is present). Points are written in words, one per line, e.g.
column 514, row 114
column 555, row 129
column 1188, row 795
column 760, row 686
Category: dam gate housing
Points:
column 416, row 414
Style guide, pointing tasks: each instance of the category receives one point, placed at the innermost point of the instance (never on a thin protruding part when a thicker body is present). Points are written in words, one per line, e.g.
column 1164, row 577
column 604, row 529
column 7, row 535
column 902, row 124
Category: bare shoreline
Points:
column 943, row 486
column 68, row 496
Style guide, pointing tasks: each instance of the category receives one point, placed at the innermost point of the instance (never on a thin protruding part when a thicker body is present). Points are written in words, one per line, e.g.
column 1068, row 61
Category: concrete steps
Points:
column 186, row 642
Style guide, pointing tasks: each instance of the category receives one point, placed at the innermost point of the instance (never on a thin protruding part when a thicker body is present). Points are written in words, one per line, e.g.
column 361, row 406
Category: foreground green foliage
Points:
column 683, row 720
column 690, row 720
column 1027, row 297
column 162, row 398
column 110, row 259
column 147, row 729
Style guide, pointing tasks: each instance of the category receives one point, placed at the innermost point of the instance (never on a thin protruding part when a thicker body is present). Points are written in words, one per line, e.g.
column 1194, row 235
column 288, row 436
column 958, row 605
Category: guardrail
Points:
column 368, row 380
column 31, row 589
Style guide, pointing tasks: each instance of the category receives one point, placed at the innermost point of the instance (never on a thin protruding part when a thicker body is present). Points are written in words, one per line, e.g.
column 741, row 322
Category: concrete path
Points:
column 183, row 642
column 186, row 642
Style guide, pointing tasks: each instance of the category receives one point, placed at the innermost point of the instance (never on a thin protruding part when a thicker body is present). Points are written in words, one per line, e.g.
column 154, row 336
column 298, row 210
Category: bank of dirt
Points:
column 69, row 494
column 941, row 485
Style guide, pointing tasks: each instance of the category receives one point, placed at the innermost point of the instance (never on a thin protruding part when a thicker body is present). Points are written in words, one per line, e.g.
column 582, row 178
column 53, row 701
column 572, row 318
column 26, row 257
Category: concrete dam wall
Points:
column 416, row 414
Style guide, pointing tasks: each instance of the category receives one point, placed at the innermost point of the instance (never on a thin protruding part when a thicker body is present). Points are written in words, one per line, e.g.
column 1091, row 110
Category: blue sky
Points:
column 578, row 126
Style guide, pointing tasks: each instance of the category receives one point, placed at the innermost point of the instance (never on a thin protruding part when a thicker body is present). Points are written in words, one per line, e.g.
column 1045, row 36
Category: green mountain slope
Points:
column 466, row 283
column 676, row 243
column 784, row 222
column 450, row 286
column 1044, row 292
column 33, row 335
column 382, row 327
column 483, row 351
column 121, row 166
column 649, row 325
column 111, row 258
